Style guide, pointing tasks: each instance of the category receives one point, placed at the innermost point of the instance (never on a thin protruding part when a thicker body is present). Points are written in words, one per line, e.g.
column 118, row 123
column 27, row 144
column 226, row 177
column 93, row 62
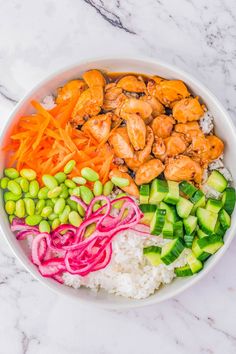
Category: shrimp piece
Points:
column 135, row 106
column 99, row 127
column 167, row 91
column 159, row 149
column 132, row 84
column 70, row 90
column 157, row 107
column 89, row 104
column 120, row 142
column 94, row 78
column 162, row 126
column 187, row 110
column 131, row 189
column 175, row 145
column 141, row 156
column 148, row 171
column 113, row 98
column 182, row 168
column 136, row 129
column 216, row 147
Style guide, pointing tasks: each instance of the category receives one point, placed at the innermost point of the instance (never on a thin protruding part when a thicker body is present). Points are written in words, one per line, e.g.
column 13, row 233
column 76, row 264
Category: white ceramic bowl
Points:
column 224, row 128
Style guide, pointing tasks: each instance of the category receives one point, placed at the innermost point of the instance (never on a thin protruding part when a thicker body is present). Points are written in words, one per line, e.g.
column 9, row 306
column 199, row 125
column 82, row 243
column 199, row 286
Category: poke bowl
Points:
column 117, row 182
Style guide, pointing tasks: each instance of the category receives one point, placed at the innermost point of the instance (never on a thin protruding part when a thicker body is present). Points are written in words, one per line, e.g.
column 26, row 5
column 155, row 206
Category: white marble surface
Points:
column 37, row 37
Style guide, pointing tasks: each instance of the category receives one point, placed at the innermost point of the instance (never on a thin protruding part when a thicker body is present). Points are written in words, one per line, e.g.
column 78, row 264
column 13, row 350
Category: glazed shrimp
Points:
column 148, row 171
column 131, row 189
column 69, row 90
column 135, row 106
column 162, row 126
column 99, row 126
column 167, row 91
column 132, row 84
column 140, row 157
column 187, row 110
column 182, row 168
column 120, row 142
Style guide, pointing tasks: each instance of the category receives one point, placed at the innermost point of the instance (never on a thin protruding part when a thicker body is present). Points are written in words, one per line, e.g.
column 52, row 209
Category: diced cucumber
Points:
column 171, row 251
column 168, row 230
column 159, row 190
column 201, row 233
column 171, row 214
column 184, row 207
column 199, row 253
column 214, row 205
column 157, row 222
column 210, row 244
column 217, row 181
column 219, row 230
column 198, row 200
column 144, row 192
column 228, row 200
column 224, row 219
column 188, row 239
column 147, row 208
column 153, row 254
column 172, row 196
column 207, row 220
column 178, row 229
column 184, row 271
column 147, row 218
column 187, row 188
column 190, row 224
column 194, row 263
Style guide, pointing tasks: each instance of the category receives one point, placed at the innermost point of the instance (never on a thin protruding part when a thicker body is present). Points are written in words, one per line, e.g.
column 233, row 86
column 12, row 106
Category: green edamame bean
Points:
column 79, row 180
column 49, row 203
column 43, row 193
column 10, row 207
column 34, row 188
column 60, row 177
column 76, row 191
column 72, row 204
column 89, row 174
column 39, row 206
column 108, row 187
column 65, row 215
column 11, row 196
column 69, row 166
column 4, row 182
column 47, row 210
column 52, row 216
column 54, row 200
column 14, row 187
column 120, row 182
column 59, row 206
column 97, row 188
column 70, row 191
column 50, row 181
column 55, row 192
column 86, row 194
column 96, row 206
column 55, row 223
column 27, row 195
column 69, row 183
column 44, row 226
column 18, row 179
column 80, row 210
column 74, row 218
column 28, row 173
column 11, row 173
column 33, row 220
column 29, row 206
column 11, row 218
column 20, row 208
column 24, row 184
column 119, row 204
column 103, row 202
column 65, row 193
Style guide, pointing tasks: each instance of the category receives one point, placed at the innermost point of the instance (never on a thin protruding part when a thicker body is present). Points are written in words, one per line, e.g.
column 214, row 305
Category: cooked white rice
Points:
column 48, row 102
column 206, row 123
column 129, row 273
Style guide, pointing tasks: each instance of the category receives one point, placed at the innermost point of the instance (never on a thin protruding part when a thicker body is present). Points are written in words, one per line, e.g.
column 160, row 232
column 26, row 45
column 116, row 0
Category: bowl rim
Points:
column 169, row 67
